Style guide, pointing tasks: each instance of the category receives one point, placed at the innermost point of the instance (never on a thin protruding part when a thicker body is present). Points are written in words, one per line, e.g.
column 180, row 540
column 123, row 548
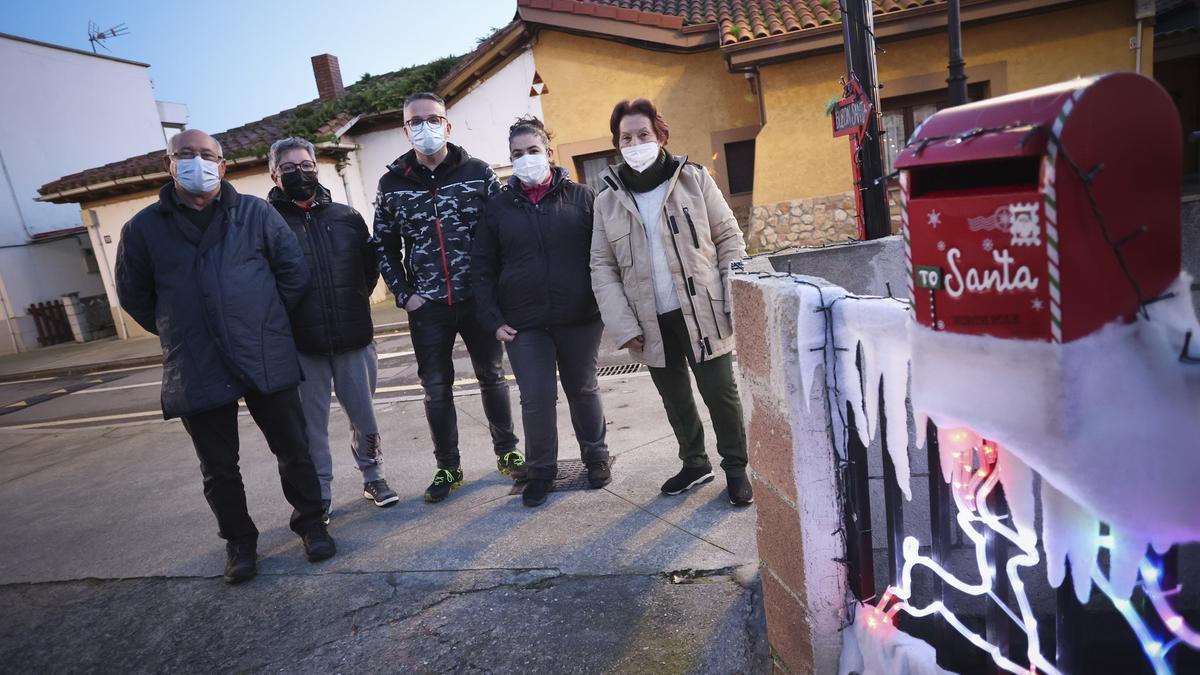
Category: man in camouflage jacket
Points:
column 428, row 205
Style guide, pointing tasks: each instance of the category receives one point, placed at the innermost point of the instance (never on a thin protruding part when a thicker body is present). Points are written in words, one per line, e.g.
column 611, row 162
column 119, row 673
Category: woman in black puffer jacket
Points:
column 533, row 288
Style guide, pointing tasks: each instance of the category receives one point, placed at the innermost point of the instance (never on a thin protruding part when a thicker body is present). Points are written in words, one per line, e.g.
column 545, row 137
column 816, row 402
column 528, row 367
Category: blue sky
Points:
column 235, row 62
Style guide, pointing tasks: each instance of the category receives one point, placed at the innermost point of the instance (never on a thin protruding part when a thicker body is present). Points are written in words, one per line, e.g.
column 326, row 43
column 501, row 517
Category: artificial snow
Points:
column 835, row 330
column 883, row 648
column 1110, row 422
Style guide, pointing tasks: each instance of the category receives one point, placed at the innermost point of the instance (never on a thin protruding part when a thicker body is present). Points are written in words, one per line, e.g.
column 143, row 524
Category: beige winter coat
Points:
column 701, row 237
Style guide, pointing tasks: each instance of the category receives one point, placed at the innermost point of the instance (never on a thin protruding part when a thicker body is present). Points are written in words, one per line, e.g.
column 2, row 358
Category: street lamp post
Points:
column 958, row 75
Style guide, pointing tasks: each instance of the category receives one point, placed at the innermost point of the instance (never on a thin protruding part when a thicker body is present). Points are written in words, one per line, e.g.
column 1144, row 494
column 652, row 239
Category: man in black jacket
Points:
column 332, row 324
column 212, row 273
column 429, row 203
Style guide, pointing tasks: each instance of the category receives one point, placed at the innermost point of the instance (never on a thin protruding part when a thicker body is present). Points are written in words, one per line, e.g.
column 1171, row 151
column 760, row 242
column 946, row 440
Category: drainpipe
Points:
column 16, row 200
column 1142, row 10
column 8, row 317
column 341, row 165
column 1137, row 59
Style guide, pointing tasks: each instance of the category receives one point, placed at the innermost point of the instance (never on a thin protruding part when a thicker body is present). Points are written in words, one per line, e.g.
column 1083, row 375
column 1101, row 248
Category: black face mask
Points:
column 299, row 185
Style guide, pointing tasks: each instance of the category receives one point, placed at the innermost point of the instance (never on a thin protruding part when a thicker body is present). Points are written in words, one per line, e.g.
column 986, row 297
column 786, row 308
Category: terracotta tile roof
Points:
column 737, row 20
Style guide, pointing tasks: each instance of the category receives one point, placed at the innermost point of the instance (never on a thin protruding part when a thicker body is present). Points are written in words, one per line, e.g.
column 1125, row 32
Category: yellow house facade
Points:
column 744, row 85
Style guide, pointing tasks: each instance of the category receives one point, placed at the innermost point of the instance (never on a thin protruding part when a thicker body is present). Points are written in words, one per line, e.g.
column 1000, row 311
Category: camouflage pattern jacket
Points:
column 425, row 223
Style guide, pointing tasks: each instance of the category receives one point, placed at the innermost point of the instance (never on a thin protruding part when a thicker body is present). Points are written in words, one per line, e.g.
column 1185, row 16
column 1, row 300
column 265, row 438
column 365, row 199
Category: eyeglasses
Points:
column 206, row 155
column 288, row 167
column 435, row 120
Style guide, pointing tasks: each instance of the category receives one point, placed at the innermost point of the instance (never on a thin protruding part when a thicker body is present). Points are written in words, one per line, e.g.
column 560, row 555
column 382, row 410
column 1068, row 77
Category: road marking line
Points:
column 125, row 370
column 81, row 420
column 18, row 404
column 36, row 379
column 101, row 390
column 394, row 355
column 414, row 387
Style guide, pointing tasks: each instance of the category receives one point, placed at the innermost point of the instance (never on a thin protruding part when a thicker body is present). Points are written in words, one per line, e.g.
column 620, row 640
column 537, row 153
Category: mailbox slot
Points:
column 1001, row 175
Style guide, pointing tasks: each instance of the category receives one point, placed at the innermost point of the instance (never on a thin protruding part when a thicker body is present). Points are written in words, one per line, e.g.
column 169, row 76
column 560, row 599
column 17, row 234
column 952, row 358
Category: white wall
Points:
column 112, row 217
column 61, row 112
column 64, row 112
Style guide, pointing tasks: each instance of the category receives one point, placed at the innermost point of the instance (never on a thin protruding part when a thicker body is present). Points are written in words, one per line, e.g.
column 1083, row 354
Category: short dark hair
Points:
column 530, row 124
column 424, row 96
column 638, row 106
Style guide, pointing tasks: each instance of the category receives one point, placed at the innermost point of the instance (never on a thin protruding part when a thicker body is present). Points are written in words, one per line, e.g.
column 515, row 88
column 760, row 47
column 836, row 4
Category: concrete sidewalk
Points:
column 114, row 564
column 110, row 353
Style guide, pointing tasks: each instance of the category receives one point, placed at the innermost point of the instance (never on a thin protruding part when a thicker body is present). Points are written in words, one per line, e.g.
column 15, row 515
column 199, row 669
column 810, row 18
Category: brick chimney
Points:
column 329, row 76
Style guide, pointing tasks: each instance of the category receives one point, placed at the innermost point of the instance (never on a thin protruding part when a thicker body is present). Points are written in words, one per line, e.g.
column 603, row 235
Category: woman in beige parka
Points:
column 662, row 241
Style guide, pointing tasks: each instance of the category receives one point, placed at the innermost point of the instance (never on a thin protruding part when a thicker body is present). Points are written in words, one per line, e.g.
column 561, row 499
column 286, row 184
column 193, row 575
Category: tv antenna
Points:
column 97, row 36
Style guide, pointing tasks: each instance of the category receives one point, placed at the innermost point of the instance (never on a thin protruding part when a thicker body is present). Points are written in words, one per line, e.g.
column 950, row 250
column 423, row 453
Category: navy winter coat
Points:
column 217, row 300
column 530, row 262
column 335, row 316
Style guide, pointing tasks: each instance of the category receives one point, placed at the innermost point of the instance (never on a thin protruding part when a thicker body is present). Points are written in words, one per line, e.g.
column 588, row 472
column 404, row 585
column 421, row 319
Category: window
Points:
column 739, row 166
column 589, row 167
column 903, row 114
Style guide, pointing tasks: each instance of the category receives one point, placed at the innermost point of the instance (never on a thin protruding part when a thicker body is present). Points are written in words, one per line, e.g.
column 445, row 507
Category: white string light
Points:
column 973, row 477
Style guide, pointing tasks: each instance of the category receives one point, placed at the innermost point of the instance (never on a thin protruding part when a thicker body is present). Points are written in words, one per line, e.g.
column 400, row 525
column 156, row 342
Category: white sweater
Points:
column 650, row 206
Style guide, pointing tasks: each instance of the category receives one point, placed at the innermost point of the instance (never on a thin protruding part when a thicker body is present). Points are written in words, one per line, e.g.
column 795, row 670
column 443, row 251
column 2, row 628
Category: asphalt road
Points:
column 131, row 395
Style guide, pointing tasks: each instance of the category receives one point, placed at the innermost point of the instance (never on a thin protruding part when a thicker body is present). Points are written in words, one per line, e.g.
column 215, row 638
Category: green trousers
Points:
column 718, row 388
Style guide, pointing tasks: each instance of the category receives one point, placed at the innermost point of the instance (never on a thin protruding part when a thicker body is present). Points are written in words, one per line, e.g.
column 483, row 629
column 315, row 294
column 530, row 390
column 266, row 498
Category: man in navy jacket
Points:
column 213, row 273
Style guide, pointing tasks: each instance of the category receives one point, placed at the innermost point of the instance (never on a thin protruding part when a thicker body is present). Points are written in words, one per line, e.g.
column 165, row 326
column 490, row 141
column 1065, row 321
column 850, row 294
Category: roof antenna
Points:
column 97, row 36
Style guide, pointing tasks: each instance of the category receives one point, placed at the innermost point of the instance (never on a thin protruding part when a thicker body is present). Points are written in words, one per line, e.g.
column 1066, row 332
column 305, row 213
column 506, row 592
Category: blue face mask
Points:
column 197, row 175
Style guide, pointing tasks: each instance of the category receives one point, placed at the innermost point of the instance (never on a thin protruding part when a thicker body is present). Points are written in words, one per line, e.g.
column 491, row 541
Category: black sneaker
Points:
column 318, row 545
column 444, row 480
column 327, row 514
column 599, row 475
column 512, row 464
column 739, row 490
column 379, row 492
column 241, row 562
column 536, row 490
column 687, row 478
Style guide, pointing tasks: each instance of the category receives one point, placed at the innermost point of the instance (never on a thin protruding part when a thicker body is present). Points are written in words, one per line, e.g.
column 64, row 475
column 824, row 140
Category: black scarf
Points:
column 656, row 174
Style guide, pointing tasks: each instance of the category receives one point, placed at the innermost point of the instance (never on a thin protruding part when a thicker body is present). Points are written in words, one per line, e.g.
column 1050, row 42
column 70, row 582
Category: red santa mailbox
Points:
column 1045, row 214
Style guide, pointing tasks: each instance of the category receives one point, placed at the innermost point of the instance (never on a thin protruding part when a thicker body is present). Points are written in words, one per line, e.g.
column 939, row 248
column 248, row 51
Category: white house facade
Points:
column 63, row 110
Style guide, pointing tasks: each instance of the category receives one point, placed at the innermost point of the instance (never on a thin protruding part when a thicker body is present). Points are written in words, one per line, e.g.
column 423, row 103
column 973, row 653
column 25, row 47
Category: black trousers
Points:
column 718, row 388
column 433, row 329
column 215, row 435
column 535, row 353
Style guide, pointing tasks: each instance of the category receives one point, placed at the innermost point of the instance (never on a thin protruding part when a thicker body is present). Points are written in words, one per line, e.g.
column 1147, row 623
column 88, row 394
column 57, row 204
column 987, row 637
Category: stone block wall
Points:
column 792, row 468
column 815, row 221
column 792, row 459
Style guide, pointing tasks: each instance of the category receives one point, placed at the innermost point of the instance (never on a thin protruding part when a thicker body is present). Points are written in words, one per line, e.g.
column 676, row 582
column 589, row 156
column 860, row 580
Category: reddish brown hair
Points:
column 638, row 106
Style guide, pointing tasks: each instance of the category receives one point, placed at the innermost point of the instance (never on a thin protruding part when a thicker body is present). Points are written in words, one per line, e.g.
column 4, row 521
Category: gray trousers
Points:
column 534, row 353
column 352, row 376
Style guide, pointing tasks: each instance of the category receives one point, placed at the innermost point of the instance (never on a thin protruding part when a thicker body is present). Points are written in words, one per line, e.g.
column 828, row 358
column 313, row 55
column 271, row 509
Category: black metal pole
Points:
column 957, row 67
column 859, row 56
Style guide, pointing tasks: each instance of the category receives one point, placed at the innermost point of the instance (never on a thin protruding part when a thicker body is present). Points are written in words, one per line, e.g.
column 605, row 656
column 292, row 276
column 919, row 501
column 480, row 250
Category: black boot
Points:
column 535, row 491
column 599, row 474
column 318, row 545
column 241, row 561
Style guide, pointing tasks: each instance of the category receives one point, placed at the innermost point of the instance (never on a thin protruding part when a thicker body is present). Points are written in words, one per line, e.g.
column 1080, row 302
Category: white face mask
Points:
column 641, row 156
column 531, row 169
column 197, row 175
column 428, row 138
